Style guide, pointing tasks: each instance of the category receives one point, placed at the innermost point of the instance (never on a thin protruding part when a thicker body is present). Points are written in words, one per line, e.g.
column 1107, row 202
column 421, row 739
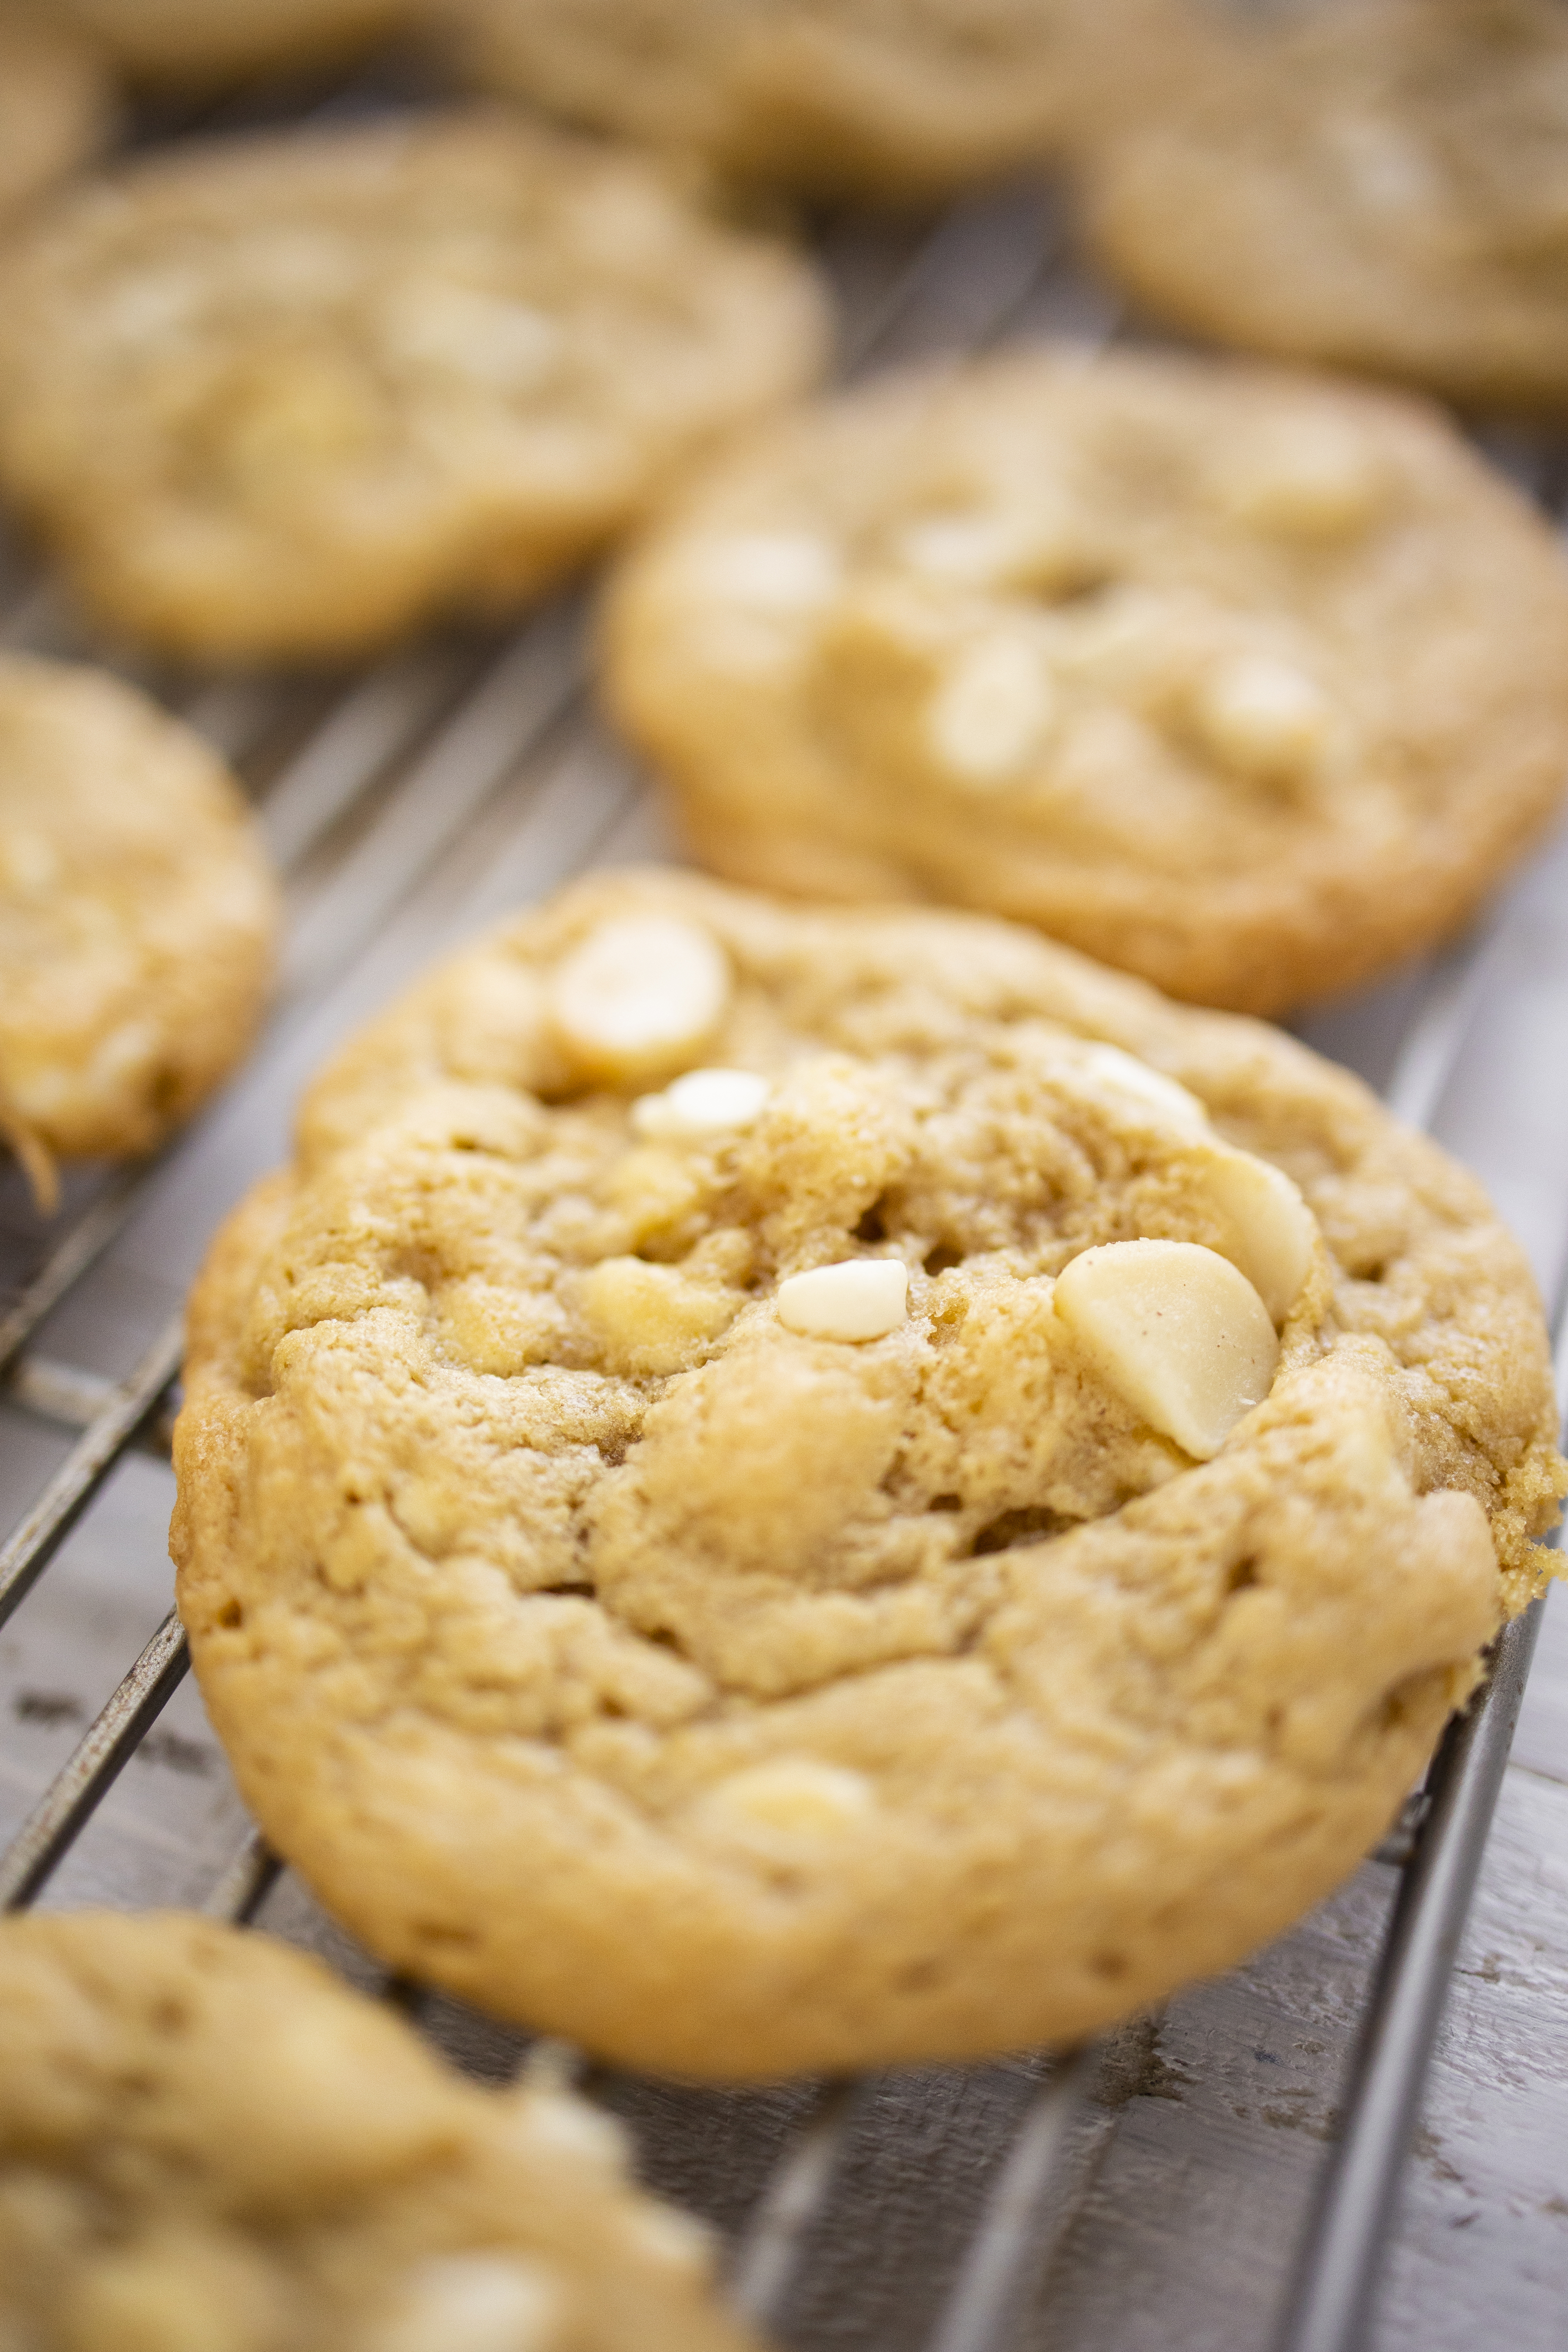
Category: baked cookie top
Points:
column 187, row 44
column 1378, row 183
column 886, row 98
column 787, row 1488
column 138, row 914
column 1248, row 681
column 208, row 2140
column 54, row 106
column 290, row 395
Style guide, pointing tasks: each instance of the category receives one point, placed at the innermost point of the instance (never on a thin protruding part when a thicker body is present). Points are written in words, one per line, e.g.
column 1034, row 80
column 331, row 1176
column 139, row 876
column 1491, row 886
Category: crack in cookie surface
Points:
column 548, row 1561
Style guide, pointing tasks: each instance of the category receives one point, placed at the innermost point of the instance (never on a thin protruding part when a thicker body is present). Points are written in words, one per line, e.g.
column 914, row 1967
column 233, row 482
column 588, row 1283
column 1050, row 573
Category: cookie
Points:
column 208, row 2141
column 138, row 916
column 55, row 107
column 787, row 1488
column 1249, row 682
column 293, row 395
column 198, row 45
column 899, row 98
column 1381, row 184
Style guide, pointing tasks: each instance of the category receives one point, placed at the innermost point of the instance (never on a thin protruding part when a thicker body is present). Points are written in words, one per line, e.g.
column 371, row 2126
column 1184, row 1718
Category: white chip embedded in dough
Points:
column 640, row 994
column 1263, row 717
column 1147, row 1094
column 700, row 1104
column 1269, row 1232
column 476, row 2303
column 860, row 1298
column 797, row 1794
column 993, row 710
column 1177, row 1330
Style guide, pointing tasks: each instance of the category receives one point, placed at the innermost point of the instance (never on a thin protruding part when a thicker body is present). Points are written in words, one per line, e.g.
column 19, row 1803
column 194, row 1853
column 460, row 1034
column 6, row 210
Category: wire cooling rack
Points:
column 407, row 804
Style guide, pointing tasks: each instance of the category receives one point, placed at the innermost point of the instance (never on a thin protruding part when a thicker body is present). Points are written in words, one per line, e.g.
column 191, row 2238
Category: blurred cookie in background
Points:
column 1248, row 681
column 210, row 2144
column 54, row 106
column 192, row 44
column 138, row 916
column 897, row 99
column 1382, row 186
column 291, row 396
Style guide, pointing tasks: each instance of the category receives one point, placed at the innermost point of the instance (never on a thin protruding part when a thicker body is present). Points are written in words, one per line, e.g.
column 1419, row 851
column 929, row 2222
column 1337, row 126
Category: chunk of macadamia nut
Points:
column 639, row 996
column 1177, row 1330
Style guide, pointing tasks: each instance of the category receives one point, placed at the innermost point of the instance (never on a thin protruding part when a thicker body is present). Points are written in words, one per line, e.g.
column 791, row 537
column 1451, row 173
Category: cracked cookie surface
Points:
column 137, row 915
column 291, row 396
column 208, row 2140
column 903, row 99
column 1381, row 187
column 784, row 1489
column 1248, row 682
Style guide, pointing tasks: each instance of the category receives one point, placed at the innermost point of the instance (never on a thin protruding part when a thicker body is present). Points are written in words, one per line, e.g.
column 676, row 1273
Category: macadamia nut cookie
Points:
column 784, row 1489
column 1381, row 184
column 208, row 2142
column 55, row 107
column 291, row 396
column 195, row 44
column 137, row 915
column 1249, row 682
column 885, row 98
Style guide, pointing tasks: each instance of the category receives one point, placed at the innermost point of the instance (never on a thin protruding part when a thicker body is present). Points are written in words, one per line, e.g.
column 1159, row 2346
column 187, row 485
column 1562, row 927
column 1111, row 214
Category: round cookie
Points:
column 901, row 99
column 293, row 395
column 55, row 107
column 195, row 44
column 208, row 2141
column 1381, row 184
column 953, row 1494
column 1249, row 682
column 137, row 915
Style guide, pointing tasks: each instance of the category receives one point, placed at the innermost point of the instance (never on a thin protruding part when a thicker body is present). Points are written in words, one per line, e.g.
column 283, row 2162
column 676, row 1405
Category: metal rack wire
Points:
column 416, row 800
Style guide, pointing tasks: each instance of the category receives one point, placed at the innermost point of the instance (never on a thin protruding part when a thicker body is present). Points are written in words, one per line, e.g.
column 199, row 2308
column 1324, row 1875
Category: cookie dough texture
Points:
column 188, row 45
column 138, row 914
column 287, row 397
column 209, row 2144
column 901, row 99
column 1381, row 184
column 737, row 1700
column 1249, row 682
column 55, row 107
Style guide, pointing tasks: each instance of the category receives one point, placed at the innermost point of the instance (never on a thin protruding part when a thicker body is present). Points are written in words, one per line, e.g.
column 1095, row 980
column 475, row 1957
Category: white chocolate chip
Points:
column 1263, row 717
column 971, row 548
column 1269, row 1232
column 700, row 1104
column 650, row 1318
column 484, row 338
column 476, row 2303
column 675, row 2241
column 993, row 708
column 772, row 571
column 797, row 1794
column 640, row 994
column 1177, row 1332
column 1151, row 1096
column 860, row 1298
column 1314, row 478
column 561, row 2124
